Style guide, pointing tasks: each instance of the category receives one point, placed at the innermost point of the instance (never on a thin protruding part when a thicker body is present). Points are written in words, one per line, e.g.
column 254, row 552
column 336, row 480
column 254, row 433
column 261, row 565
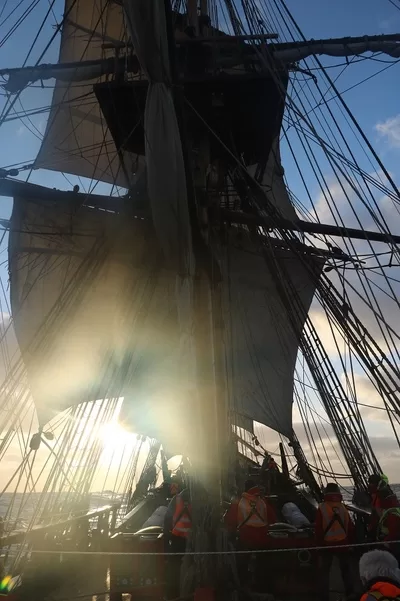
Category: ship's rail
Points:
column 107, row 514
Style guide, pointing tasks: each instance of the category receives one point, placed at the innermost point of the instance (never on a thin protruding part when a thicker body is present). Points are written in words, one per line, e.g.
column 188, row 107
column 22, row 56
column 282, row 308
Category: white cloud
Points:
column 390, row 130
column 372, row 407
column 327, row 331
column 21, row 130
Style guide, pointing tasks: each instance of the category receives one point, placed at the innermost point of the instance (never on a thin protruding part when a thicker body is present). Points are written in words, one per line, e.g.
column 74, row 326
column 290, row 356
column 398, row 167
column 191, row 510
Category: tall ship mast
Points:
column 177, row 292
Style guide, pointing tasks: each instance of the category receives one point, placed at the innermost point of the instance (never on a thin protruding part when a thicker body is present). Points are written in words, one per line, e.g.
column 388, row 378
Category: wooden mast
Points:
column 192, row 15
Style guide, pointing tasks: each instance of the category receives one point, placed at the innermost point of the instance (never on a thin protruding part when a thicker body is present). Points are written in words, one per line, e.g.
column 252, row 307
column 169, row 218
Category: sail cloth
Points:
column 95, row 315
column 77, row 139
column 259, row 334
column 273, row 183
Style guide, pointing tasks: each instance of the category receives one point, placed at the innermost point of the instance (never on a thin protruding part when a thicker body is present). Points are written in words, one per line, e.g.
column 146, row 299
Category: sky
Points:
column 374, row 102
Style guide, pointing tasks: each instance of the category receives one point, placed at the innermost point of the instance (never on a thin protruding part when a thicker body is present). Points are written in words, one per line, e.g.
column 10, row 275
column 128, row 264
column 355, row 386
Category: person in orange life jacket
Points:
column 177, row 526
column 380, row 576
column 249, row 517
column 333, row 528
column 382, row 498
column 178, row 519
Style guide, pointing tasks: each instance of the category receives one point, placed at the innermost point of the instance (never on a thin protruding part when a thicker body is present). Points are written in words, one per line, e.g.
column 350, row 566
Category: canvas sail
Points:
column 273, row 183
column 261, row 338
column 94, row 309
column 77, row 139
column 97, row 316
column 103, row 304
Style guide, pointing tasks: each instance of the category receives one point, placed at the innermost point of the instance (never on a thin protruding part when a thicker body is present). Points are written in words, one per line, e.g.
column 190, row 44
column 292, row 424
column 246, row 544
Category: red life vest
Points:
column 381, row 591
column 182, row 520
column 252, row 511
column 335, row 521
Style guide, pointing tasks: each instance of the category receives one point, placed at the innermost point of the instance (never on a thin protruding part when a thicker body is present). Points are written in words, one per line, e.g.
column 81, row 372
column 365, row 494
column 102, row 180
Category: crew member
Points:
column 178, row 519
column 177, row 527
column 388, row 528
column 269, row 463
column 333, row 528
column 380, row 576
column 249, row 517
column 174, row 486
column 382, row 497
column 247, row 520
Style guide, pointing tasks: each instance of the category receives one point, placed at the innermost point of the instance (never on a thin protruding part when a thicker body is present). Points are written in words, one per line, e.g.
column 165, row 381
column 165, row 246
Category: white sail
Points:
column 96, row 316
column 91, row 290
column 75, row 290
column 77, row 139
column 261, row 338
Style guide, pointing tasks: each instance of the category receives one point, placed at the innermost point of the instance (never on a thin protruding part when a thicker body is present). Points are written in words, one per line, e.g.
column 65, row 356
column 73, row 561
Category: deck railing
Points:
column 107, row 515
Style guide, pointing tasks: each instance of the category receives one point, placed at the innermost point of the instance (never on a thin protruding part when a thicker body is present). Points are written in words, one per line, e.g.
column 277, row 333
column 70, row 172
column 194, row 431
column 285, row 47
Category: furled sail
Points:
column 147, row 23
column 77, row 139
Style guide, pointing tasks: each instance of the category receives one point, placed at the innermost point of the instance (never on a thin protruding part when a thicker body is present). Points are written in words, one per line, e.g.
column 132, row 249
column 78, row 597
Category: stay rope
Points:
column 234, row 552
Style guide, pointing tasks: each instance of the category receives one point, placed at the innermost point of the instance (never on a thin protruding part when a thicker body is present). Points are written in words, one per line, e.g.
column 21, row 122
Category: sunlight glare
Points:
column 115, row 438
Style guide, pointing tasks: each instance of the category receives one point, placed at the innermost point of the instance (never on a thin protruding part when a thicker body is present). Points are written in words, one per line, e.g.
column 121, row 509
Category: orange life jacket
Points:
column 335, row 521
column 252, row 511
column 381, row 591
column 182, row 520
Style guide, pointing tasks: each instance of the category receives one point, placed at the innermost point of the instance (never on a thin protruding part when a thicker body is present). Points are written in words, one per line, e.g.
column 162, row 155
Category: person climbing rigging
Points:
column 334, row 528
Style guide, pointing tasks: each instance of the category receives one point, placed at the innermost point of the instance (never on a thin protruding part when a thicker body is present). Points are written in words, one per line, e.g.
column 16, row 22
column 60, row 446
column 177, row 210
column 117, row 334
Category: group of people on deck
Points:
column 249, row 518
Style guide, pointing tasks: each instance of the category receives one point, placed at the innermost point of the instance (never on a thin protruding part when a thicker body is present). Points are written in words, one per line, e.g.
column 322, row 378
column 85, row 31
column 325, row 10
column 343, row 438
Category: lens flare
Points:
column 4, row 584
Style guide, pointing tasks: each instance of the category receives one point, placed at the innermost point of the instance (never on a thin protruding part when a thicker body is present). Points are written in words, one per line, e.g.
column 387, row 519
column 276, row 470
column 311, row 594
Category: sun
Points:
column 115, row 438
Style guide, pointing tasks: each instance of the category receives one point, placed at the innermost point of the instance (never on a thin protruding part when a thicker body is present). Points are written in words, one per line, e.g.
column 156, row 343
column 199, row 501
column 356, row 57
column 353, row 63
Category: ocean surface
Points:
column 347, row 491
column 17, row 510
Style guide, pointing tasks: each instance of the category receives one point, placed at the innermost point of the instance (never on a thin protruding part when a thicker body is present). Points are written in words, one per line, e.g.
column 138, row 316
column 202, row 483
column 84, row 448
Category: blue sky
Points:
column 375, row 102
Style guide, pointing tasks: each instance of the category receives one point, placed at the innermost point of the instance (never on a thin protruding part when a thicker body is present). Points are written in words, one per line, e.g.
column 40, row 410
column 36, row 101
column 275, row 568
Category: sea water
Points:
column 18, row 510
